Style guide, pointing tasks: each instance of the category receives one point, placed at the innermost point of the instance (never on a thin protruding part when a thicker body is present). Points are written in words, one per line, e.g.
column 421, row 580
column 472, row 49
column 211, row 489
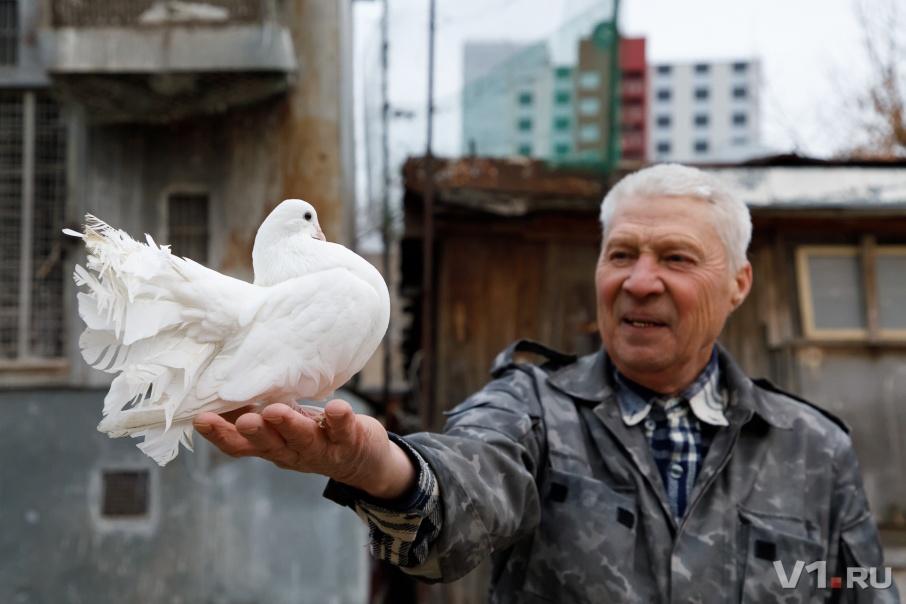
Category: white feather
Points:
column 183, row 339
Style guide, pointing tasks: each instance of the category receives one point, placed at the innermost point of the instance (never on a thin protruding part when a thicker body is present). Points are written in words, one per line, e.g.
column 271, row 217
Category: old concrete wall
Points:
column 219, row 530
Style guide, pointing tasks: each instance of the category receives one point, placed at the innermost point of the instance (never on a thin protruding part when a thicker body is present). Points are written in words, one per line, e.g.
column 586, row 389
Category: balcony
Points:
column 162, row 60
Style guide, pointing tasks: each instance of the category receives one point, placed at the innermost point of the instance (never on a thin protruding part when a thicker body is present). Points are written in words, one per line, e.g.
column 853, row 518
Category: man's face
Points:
column 664, row 290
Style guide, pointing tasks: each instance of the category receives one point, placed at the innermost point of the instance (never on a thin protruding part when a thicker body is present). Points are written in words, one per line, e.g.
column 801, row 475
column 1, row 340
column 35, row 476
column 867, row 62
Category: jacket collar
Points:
column 589, row 380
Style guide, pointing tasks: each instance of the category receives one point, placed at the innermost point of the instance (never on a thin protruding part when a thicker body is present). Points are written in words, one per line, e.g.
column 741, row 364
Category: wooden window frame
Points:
column 867, row 252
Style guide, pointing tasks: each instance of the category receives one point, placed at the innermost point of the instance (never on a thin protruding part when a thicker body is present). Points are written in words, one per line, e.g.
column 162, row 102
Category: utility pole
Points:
column 385, row 192
column 427, row 361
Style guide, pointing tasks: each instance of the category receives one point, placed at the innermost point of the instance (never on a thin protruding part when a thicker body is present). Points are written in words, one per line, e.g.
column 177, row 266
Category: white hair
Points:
column 731, row 216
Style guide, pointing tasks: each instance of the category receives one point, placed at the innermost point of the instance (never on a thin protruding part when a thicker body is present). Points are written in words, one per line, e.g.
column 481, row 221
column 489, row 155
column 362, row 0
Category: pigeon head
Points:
column 292, row 218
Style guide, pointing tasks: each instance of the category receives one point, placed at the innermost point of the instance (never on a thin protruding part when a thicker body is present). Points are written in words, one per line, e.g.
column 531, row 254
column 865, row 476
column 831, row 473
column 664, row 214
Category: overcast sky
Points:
column 811, row 53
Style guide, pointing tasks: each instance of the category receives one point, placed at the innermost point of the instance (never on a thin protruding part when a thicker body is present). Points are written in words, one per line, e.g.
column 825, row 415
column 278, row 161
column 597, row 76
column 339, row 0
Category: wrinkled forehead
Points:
column 666, row 219
column 663, row 211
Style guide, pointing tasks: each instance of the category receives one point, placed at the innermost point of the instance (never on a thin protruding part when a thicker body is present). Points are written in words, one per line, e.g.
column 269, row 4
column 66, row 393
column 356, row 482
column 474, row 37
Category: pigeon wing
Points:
column 305, row 340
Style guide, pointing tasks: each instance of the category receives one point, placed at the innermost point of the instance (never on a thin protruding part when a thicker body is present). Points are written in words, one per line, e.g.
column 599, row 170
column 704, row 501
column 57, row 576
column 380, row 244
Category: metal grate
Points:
column 9, row 32
column 11, row 130
column 49, row 190
column 31, row 325
column 126, row 493
column 187, row 226
column 126, row 13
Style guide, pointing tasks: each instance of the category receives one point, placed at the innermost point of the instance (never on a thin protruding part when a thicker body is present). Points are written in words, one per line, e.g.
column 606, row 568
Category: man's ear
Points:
column 742, row 285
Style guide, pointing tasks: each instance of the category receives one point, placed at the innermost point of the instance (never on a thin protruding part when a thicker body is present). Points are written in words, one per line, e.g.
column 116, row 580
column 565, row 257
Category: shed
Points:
column 516, row 245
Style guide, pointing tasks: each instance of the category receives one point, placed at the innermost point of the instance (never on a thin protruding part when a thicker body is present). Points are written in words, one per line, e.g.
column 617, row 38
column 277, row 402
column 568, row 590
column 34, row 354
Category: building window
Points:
column 561, row 149
column 525, row 150
column 589, row 80
column 187, row 225
column 701, row 146
column 663, row 147
column 32, row 195
column 563, row 72
column 839, row 299
column 561, row 123
column 664, row 69
column 740, row 119
column 701, row 119
column 9, row 32
column 663, row 121
column 589, row 133
column 701, row 94
column 740, row 67
column 589, row 106
column 663, row 94
column 562, row 97
column 740, row 92
column 524, row 124
column 125, row 494
column 525, row 98
column 701, row 68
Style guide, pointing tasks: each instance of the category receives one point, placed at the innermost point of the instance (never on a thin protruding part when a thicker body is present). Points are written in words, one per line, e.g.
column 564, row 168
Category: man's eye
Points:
column 679, row 259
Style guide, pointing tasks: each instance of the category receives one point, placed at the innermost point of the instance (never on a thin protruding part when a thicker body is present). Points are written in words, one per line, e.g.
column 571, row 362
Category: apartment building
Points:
column 704, row 112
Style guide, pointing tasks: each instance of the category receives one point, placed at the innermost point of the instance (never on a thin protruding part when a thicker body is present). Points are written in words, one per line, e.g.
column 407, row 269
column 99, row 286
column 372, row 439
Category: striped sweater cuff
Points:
column 400, row 530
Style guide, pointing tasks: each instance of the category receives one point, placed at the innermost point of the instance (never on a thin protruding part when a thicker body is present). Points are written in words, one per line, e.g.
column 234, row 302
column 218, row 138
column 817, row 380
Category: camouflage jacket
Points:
column 539, row 471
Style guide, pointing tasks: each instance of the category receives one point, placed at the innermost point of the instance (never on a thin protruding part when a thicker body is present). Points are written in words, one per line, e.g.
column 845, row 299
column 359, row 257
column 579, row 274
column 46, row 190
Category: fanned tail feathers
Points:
column 135, row 328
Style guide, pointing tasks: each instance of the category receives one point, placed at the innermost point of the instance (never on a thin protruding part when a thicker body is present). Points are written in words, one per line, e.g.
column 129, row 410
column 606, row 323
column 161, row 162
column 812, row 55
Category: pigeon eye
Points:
column 307, row 215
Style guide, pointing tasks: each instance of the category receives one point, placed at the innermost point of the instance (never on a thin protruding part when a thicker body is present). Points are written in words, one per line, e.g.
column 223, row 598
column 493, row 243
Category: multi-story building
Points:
column 188, row 121
column 506, row 99
column 633, row 101
column 704, row 112
column 516, row 102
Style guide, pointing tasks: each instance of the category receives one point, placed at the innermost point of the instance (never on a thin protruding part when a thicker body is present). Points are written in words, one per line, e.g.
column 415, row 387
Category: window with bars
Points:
column 187, row 225
column 852, row 291
column 32, row 195
column 9, row 32
column 125, row 493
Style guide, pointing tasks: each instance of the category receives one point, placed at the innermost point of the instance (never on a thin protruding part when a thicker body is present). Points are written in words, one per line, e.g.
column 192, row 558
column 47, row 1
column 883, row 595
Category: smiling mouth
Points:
column 643, row 323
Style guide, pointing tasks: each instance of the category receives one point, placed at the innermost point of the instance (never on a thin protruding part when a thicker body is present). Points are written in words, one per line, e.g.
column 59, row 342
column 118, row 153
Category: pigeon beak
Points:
column 320, row 235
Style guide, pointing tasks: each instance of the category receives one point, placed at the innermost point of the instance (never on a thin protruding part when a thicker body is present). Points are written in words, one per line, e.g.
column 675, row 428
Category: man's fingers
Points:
column 340, row 420
column 223, row 434
column 232, row 416
column 299, row 432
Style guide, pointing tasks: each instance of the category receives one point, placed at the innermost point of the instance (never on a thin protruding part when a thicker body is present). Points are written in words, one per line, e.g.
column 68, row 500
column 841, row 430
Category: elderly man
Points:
column 651, row 471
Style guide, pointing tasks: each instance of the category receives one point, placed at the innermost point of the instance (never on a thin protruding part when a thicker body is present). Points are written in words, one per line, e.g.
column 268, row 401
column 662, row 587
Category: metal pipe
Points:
column 427, row 364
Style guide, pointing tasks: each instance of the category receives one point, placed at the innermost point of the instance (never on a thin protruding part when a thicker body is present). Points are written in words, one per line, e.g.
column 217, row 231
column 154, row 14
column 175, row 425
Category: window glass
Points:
column 589, row 106
column 187, row 225
column 891, row 279
column 835, row 283
column 589, row 133
column 589, row 80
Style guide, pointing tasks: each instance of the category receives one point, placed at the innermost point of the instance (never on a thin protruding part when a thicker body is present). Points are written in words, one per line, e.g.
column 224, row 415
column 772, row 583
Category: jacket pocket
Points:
column 775, row 552
column 584, row 546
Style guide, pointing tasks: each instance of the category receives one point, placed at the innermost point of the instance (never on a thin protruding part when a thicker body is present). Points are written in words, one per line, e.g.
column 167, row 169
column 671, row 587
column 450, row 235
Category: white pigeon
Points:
column 184, row 339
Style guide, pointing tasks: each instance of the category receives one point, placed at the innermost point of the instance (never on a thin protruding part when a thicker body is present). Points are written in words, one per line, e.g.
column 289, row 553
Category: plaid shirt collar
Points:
column 705, row 397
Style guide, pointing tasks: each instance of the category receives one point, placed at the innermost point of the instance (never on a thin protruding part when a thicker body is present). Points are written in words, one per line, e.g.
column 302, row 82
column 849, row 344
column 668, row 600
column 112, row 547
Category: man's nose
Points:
column 644, row 278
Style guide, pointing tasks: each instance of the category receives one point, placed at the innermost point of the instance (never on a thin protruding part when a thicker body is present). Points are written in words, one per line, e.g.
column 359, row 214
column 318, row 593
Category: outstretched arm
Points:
column 350, row 448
